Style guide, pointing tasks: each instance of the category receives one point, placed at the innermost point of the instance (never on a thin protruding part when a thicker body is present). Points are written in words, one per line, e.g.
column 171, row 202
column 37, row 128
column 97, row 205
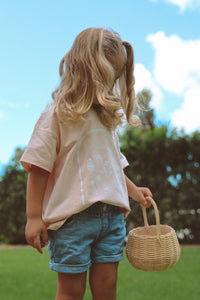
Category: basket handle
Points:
column 156, row 213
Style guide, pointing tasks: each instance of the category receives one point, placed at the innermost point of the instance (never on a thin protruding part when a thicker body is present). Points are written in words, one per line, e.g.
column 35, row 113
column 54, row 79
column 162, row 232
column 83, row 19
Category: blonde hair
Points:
column 97, row 73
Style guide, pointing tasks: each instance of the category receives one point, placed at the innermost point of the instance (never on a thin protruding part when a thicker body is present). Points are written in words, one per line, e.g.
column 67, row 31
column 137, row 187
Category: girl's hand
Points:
column 35, row 228
column 140, row 194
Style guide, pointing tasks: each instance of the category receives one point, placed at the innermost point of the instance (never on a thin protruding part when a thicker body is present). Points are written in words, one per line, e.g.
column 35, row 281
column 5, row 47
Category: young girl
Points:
column 77, row 193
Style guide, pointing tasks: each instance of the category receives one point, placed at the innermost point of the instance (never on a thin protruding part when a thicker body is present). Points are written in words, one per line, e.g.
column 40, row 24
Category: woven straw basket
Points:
column 152, row 248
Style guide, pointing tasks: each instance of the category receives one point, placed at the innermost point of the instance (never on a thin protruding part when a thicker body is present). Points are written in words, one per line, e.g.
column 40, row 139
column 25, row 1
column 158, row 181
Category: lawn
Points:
column 24, row 274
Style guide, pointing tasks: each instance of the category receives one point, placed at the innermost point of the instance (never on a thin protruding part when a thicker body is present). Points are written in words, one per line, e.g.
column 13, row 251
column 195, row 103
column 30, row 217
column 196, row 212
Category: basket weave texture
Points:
column 152, row 248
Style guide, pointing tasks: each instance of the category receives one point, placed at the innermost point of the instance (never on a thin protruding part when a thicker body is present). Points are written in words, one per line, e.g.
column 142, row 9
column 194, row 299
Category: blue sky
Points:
column 35, row 35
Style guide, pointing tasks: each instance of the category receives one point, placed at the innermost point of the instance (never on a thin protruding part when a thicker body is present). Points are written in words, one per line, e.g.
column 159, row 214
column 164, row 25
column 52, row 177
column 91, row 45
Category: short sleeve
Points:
column 43, row 146
column 124, row 162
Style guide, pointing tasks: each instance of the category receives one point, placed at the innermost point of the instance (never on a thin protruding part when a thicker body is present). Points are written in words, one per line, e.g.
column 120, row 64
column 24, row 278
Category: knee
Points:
column 71, row 287
column 109, row 280
column 70, row 294
column 103, row 282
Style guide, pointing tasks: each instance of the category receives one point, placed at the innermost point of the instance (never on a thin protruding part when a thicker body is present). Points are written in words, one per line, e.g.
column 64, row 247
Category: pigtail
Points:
column 130, row 81
column 61, row 66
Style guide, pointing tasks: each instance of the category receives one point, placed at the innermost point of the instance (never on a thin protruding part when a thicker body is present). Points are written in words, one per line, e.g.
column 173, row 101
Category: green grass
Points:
column 24, row 274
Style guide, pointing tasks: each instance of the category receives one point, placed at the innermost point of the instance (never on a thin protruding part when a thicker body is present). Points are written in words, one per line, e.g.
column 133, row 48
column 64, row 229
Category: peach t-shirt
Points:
column 84, row 162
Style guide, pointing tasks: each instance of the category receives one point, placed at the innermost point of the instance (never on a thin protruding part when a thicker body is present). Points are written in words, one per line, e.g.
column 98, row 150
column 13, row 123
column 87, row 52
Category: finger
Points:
column 42, row 244
column 144, row 202
column 37, row 244
column 147, row 192
column 28, row 238
column 44, row 236
column 30, row 241
column 148, row 203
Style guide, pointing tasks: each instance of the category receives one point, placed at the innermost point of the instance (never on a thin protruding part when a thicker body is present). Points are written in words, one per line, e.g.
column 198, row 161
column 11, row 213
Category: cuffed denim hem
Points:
column 70, row 269
column 107, row 259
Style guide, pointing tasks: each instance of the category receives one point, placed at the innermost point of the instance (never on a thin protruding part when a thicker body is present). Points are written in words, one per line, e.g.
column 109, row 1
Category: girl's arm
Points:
column 35, row 226
column 138, row 193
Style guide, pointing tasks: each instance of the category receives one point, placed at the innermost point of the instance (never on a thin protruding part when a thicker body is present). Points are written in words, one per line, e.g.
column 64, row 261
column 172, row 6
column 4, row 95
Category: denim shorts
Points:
column 96, row 235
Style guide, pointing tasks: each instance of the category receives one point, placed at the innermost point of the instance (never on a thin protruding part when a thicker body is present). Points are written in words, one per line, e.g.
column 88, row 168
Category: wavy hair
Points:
column 97, row 73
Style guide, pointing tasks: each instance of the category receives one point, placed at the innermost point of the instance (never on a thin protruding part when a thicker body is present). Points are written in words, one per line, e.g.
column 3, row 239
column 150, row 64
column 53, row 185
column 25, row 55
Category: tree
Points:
column 145, row 112
column 13, row 202
column 184, row 175
column 168, row 163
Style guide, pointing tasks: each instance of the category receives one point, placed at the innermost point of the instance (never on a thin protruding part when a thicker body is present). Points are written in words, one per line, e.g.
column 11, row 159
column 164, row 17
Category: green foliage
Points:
column 167, row 163
column 12, row 202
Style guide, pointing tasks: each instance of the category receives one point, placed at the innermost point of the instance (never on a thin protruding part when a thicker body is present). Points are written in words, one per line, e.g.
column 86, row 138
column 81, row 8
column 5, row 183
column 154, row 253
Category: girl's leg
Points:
column 71, row 286
column 103, row 281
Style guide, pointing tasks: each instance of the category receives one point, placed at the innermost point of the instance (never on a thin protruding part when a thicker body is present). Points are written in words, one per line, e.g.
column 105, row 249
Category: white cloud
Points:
column 177, row 63
column 183, row 4
column 144, row 79
column 187, row 116
column 177, row 70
